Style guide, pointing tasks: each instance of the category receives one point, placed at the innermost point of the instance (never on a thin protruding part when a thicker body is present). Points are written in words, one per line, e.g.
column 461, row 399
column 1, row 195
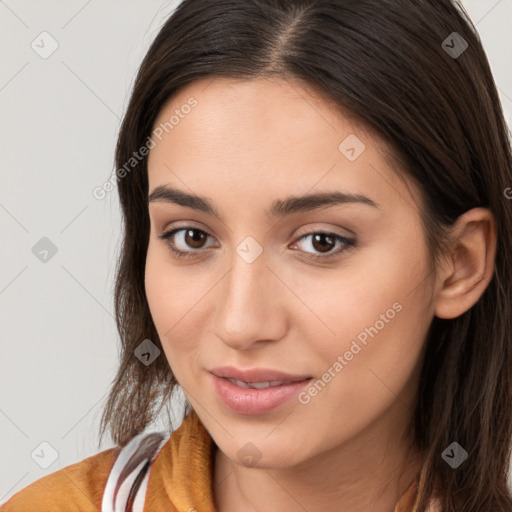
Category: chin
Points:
column 254, row 455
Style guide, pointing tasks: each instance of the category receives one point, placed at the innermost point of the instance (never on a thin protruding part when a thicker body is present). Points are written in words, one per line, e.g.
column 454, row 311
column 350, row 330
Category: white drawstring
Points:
column 130, row 462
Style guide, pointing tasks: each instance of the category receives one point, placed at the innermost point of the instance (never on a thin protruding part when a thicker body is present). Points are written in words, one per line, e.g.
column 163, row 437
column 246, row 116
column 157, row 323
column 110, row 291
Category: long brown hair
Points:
column 416, row 73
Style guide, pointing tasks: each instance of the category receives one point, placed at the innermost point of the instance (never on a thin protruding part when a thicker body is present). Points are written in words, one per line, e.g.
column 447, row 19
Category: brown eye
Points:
column 323, row 242
column 187, row 241
column 195, row 238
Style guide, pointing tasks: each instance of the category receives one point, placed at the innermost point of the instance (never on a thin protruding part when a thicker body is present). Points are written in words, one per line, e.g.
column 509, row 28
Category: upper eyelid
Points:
column 310, row 231
column 176, row 229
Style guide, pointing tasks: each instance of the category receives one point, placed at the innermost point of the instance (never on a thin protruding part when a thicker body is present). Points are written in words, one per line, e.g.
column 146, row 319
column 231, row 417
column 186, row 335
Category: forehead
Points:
column 263, row 136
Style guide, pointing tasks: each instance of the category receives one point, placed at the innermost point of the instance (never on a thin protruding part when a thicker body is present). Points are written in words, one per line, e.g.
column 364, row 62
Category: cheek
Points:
column 171, row 298
column 375, row 315
column 380, row 293
column 160, row 290
column 370, row 370
column 180, row 302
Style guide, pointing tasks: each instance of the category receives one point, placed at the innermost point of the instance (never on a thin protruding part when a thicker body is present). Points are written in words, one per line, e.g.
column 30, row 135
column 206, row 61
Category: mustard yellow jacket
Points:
column 180, row 479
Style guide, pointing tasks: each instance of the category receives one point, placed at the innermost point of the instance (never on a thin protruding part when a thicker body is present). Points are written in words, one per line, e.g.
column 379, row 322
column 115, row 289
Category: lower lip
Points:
column 255, row 401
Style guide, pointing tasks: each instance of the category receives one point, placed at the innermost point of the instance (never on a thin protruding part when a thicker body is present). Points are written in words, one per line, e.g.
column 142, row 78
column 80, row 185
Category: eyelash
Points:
column 349, row 243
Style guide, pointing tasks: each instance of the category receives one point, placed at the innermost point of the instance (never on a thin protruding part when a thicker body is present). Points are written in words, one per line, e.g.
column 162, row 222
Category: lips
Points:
column 257, row 375
column 255, row 391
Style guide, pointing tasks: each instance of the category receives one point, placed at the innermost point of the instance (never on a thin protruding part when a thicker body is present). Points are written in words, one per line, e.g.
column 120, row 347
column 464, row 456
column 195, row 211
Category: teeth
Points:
column 239, row 383
column 268, row 384
column 256, row 385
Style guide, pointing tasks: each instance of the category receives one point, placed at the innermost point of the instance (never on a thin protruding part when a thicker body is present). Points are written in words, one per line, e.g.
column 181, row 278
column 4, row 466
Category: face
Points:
column 337, row 291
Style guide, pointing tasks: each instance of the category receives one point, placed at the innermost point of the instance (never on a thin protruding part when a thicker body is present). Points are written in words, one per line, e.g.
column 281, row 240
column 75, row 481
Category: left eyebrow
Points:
column 279, row 208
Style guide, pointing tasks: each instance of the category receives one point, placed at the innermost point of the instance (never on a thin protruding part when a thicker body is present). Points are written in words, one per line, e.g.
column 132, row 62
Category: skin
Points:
column 243, row 146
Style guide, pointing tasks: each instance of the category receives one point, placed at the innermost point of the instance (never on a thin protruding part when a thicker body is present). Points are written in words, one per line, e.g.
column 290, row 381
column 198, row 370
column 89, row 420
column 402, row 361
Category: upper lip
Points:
column 256, row 374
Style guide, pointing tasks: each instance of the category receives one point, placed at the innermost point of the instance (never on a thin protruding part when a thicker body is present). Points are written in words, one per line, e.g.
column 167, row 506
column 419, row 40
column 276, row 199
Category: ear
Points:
column 469, row 265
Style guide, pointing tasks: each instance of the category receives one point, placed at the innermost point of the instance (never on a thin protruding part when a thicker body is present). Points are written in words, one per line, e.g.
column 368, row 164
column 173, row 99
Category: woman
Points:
column 318, row 239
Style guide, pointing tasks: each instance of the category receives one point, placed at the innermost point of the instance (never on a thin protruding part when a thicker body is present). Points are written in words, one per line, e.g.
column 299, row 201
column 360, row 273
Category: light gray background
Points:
column 60, row 118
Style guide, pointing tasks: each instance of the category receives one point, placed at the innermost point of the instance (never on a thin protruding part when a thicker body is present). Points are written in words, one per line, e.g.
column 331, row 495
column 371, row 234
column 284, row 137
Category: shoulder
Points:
column 76, row 487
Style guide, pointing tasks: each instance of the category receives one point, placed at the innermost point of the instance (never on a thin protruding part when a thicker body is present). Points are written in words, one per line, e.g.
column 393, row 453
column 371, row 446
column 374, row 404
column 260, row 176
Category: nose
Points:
column 250, row 305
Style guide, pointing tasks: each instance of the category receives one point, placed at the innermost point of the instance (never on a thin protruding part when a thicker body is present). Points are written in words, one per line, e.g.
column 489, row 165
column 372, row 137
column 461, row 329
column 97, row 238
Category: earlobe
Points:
column 472, row 258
